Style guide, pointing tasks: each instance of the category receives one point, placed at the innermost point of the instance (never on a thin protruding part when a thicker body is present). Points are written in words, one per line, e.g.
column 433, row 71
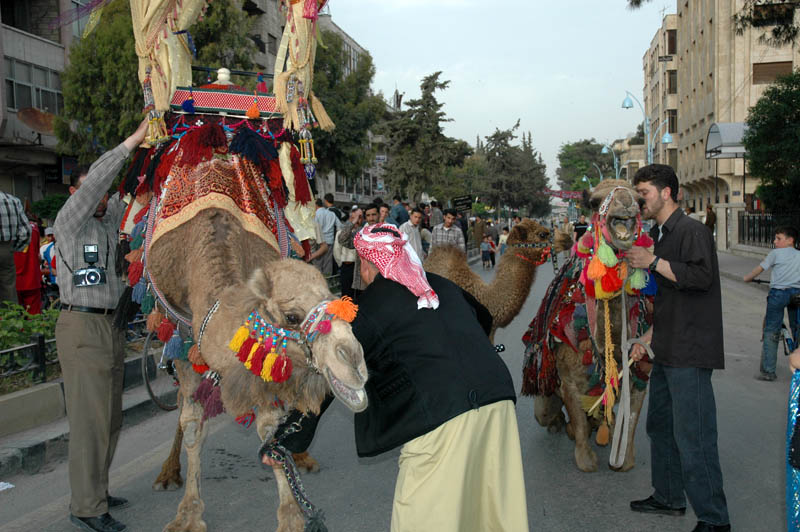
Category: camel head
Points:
column 530, row 240
column 615, row 205
column 294, row 296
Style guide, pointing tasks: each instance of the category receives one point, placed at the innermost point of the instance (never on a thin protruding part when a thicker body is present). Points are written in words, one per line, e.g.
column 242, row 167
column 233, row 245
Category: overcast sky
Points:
column 560, row 66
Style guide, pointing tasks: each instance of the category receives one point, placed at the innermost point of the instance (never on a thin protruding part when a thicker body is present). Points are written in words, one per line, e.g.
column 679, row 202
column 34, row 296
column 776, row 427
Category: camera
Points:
column 93, row 275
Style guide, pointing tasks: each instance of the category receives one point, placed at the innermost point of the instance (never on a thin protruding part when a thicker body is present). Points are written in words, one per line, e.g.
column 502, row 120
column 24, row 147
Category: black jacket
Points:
column 425, row 366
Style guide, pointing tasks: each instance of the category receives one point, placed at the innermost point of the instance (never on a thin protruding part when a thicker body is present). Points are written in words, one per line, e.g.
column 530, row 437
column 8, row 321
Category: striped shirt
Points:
column 452, row 235
column 14, row 226
column 76, row 226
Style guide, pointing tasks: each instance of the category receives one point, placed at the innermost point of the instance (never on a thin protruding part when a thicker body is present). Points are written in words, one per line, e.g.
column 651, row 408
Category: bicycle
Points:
column 160, row 378
column 789, row 341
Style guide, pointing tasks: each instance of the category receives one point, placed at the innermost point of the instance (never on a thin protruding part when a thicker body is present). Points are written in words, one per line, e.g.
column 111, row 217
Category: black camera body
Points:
column 93, row 275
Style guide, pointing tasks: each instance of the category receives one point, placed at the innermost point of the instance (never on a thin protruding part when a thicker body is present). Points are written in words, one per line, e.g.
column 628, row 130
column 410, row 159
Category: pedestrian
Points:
column 90, row 350
column 29, row 274
column 385, row 215
column 318, row 249
column 462, row 223
column 451, row 403
column 446, row 233
column 398, row 213
column 328, row 224
column 328, row 199
column 437, row 216
column 579, row 228
column 15, row 234
column 411, row 228
column 346, row 235
column 347, row 255
column 503, row 241
column 485, row 253
column 688, row 347
column 711, row 218
column 494, row 236
column 784, row 289
column 478, row 230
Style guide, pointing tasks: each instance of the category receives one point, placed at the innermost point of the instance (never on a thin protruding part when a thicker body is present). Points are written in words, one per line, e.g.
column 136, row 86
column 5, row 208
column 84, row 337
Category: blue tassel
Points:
column 651, row 287
column 252, row 146
column 174, row 348
column 138, row 229
column 188, row 105
column 139, row 291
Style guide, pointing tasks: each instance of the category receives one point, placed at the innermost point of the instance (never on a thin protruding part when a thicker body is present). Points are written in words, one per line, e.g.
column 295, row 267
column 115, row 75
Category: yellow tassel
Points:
column 319, row 111
column 343, row 308
column 266, row 369
column 249, row 362
column 599, row 293
column 281, row 105
column 596, row 270
column 238, row 339
column 612, row 376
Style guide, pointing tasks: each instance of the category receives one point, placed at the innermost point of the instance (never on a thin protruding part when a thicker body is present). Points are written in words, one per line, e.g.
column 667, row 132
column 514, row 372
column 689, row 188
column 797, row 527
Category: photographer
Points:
column 90, row 350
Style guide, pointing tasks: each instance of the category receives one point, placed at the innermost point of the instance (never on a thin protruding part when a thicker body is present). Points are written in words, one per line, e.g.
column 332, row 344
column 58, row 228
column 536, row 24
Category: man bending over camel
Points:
column 438, row 388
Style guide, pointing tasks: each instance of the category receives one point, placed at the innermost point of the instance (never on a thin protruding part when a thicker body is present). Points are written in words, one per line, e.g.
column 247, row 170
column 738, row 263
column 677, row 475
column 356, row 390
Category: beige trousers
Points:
column 464, row 476
column 91, row 353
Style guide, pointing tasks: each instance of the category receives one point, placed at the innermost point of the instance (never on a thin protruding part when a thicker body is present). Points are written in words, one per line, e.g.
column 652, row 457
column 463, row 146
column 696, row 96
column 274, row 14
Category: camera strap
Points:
column 108, row 250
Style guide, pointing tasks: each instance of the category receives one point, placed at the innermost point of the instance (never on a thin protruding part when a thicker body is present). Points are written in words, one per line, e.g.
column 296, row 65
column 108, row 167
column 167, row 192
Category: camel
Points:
column 568, row 358
column 528, row 248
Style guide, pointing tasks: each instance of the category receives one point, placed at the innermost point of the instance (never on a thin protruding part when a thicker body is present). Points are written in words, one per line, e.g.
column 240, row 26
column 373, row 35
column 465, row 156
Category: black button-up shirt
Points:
column 687, row 317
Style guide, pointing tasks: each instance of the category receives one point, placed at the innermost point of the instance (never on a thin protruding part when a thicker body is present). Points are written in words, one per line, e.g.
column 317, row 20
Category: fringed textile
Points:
column 792, row 474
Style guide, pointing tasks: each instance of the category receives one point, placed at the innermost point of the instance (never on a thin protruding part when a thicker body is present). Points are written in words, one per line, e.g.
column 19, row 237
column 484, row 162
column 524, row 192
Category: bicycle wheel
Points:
column 159, row 380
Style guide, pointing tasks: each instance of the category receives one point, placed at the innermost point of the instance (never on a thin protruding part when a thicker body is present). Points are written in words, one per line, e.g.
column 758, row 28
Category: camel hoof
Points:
column 168, row 483
column 184, row 524
column 586, row 460
column 305, row 462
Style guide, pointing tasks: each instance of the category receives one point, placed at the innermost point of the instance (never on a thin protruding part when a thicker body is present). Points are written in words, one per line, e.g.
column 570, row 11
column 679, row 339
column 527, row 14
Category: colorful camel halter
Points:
column 543, row 256
column 261, row 346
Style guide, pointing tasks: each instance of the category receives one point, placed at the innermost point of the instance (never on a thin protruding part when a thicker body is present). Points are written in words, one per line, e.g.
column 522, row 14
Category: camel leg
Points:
column 170, row 477
column 290, row 518
column 548, row 413
column 585, row 457
column 637, row 400
column 190, row 510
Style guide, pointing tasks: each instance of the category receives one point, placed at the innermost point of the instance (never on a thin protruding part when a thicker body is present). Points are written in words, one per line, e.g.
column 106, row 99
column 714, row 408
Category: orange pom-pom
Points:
column 154, row 320
column 195, row 357
column 343, row 308
column 623, row 270
column 596, row 269
column 135, row 255
column 253, row 112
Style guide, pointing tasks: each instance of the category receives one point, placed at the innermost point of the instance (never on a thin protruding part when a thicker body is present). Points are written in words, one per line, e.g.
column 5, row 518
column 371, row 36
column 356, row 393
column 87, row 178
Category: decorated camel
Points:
column 528, row 247
column 219, row 200
column 576, row 346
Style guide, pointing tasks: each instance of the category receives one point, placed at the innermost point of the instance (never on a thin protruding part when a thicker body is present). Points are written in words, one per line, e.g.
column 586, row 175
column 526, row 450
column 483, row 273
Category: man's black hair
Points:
column 397, row 197
column 378, row 200
column 384, row 206
column 788, row 231
column 372, row 206
column 77, row 173
column 660, row 176
column 450, row 211
column 417, row 210
column 318, row 202
column 329, row 198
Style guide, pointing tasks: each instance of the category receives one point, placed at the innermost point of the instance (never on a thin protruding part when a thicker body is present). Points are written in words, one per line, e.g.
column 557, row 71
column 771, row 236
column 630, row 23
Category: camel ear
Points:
column 519, row 233
column 260, row 284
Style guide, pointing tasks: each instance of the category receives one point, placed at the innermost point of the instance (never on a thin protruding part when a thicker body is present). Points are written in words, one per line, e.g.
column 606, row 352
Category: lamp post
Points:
column 607, row 149
column 627, row 103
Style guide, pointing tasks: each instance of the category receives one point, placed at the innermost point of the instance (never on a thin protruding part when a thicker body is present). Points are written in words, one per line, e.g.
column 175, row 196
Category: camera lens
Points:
column 92, row 278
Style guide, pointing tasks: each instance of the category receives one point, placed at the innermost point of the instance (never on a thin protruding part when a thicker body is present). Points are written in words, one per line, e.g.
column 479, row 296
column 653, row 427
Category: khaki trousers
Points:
column 92, row 356
column 464, row 476
column 8, row 273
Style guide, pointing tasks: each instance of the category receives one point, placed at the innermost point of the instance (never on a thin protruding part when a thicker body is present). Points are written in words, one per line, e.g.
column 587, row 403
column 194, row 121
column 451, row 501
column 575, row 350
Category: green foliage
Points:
column 49, row 206
column 419, row 151
column 102, row 94
column 773, row 144
column 350, row 104
column 638, row 138
column 17, row 326
column 575, row 160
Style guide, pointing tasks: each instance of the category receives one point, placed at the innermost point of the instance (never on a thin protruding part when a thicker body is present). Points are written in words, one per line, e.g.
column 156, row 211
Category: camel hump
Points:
column 445, row 258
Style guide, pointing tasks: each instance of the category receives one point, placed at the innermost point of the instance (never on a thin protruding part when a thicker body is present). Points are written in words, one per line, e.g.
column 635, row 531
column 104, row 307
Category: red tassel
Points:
column 141, row 214
column 192, row 151
column 302, row 192
column 164, row 166
column 200, row 368
column 644, row 241
column 258, row 360
column 589, row 289
column 135, row 271
column 244, row 350
column 211, row 135
column 281, row 369
column 165, row 330
column 587, row 357
column 212, row 406
column 275, row 181
column 611, row 281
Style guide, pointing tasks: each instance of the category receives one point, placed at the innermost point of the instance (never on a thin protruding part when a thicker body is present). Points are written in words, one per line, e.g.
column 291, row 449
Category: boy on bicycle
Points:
column 784, row 284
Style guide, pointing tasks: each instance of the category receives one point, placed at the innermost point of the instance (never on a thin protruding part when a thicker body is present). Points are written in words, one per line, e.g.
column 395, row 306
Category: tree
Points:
column 576, row 160
column 777, row 15
column 350, row 104
column 102, row 95
column 419, row 150
column 771, row 141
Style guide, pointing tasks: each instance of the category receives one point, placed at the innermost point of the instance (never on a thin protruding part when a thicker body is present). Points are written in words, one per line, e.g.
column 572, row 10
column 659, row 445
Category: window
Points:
column 773, row 14
column 672, row 158
column 79, row 25
column 32, row 86
column 768, row 72
column 672, row 121
column 672, row 82
column 672, row 42
column 272, row 44
column 16, row 13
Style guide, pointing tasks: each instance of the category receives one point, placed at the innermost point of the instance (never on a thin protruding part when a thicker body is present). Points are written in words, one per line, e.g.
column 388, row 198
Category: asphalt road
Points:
column 356, row 494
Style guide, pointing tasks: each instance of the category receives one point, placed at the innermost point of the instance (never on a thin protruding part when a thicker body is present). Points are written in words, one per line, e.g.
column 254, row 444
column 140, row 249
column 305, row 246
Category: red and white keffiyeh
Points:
column 387, row 248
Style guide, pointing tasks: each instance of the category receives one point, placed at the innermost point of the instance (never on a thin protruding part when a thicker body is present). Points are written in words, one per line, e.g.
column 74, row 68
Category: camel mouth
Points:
column 622, row 230
column 354, row 399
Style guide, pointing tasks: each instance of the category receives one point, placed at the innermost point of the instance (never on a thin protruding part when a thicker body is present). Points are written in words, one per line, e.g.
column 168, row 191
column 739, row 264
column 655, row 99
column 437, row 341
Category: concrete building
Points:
column 34, row 55
column 661, row 90
column 720, row 76
column 632, row 156
column 266, row 33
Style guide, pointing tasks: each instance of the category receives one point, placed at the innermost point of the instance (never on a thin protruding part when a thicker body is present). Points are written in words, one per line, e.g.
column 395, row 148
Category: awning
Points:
column 724, row 140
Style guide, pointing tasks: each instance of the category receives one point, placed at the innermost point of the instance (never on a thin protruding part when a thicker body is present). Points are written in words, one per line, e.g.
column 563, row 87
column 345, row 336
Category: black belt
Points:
column 92, row 310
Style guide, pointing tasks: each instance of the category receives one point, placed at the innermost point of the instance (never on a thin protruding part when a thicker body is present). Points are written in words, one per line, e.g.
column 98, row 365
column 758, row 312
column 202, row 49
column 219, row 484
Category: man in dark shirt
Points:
column 682, row 416
column 579, row 228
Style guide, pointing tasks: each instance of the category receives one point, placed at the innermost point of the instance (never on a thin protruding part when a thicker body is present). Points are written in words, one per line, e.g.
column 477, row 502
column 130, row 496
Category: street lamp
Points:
column 607, row 149
column 627, row 103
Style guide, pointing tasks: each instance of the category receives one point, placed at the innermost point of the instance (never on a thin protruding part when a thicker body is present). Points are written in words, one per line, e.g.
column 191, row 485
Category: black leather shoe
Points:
column 101, row 523
column 652, row 506
column 702, row 526
column 116, row 502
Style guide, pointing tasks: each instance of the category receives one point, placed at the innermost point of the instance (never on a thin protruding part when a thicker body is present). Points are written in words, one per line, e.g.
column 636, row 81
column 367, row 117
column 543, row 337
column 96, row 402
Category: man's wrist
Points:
column 653, row 265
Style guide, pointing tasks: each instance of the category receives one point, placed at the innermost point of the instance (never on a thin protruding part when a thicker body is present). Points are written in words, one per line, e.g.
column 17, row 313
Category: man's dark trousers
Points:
column 682, row 426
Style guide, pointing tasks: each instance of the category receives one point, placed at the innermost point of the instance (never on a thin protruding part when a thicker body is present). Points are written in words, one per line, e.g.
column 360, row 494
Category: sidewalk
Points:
column 735, row 267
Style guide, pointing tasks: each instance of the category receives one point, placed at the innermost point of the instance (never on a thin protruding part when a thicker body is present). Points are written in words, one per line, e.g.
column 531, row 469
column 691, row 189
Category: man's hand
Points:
column 138, row 136
column 639, row 257
column 354, row 216
column 638, row 352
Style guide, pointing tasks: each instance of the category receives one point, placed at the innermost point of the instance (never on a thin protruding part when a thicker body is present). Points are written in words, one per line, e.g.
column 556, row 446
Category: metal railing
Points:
column 758, row 228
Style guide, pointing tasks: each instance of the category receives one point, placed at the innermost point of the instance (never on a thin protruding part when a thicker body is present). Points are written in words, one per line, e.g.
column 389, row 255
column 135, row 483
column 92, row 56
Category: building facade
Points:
column 721, row 75
column 660, row 96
